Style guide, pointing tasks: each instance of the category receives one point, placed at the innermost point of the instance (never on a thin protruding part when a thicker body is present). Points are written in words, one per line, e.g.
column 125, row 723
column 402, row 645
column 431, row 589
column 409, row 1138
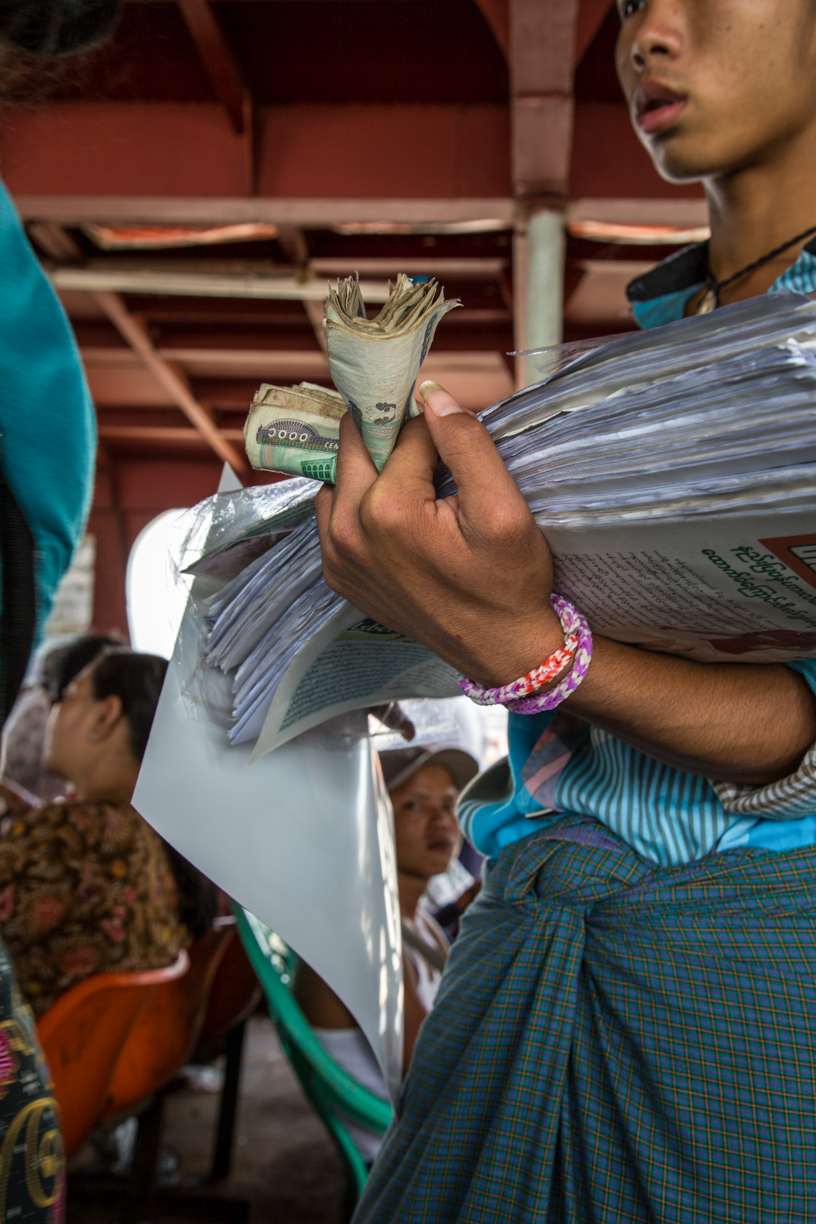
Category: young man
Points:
column 423, row 785
column 624, row 1030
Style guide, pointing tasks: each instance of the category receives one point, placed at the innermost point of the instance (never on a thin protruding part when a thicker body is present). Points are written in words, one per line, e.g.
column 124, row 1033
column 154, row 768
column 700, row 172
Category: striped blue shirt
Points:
column 665, row 814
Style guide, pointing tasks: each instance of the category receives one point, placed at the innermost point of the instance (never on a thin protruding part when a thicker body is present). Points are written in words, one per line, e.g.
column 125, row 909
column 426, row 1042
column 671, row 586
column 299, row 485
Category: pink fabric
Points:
column 546, row 771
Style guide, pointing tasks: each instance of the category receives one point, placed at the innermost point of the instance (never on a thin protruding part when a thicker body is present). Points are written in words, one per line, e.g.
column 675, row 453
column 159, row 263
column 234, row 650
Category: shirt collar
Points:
column 680, row 271
column 660, row 296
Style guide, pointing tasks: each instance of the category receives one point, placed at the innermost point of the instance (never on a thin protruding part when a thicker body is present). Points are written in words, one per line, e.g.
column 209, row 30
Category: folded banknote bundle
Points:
column 673, row 473
column 374, row 364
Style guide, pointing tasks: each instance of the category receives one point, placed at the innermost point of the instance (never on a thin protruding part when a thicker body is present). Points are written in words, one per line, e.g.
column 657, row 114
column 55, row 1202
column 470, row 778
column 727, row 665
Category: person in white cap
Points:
column 423, row 785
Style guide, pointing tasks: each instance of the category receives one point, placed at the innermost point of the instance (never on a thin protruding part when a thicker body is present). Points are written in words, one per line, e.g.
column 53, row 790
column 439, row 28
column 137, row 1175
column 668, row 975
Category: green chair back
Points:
column 330, row 1089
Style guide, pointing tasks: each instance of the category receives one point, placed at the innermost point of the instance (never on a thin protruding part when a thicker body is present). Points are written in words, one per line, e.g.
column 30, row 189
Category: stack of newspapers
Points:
column 672, row 472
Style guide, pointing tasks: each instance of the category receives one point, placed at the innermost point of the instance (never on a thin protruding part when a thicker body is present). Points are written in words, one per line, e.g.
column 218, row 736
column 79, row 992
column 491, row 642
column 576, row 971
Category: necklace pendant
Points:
column 708, row 302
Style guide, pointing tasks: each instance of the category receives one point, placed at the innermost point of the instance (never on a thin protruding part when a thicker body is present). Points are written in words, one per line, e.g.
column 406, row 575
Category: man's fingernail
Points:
column 445, row 404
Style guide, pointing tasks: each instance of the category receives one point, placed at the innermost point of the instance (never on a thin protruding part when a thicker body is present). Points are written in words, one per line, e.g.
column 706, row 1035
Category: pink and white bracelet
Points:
column 523, row 696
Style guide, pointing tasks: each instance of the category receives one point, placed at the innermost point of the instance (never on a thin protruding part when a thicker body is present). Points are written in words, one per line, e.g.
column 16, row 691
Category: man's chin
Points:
column 437, row 864
column 676, row 161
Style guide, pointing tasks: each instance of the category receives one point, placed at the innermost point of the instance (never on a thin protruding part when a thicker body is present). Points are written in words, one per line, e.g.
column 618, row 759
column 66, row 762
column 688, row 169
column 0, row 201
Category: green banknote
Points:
column 374, row 365
column 295, row 430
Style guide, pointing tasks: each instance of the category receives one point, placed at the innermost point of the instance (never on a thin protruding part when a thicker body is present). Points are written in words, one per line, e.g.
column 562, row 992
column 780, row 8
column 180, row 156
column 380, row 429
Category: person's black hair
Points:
column 63, row 664
column 136, row 679
column 51, row 29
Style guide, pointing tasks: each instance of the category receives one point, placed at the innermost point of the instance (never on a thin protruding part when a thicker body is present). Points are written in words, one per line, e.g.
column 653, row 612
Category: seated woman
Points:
column 423, row 785
column 24, row 732
column 86, row 886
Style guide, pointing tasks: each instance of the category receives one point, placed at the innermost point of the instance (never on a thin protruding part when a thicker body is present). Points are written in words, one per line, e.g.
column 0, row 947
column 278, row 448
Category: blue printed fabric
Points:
column 668, row 816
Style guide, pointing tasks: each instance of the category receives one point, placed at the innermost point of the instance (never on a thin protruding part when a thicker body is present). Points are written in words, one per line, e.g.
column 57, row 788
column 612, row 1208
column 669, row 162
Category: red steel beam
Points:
column 172, row 380
column 54, row 203
column 162, row 433
column 164, row 163
column 225, row 77
column 309, row 154
column 609, row 162
column 54, row 240
column 218, row 60
column 497, row 15
column 591, row 16
column 542, row 42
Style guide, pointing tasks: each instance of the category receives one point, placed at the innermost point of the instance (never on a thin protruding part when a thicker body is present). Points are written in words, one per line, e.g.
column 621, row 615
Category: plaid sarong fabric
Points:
column 616, row 1043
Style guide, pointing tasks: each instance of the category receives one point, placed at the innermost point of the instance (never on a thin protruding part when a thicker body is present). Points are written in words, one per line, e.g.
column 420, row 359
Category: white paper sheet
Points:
column 302, row 838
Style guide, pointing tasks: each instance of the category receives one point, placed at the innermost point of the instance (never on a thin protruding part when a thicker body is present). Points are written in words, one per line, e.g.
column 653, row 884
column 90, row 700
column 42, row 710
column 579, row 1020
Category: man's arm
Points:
column 732, row 722
column 471, row 576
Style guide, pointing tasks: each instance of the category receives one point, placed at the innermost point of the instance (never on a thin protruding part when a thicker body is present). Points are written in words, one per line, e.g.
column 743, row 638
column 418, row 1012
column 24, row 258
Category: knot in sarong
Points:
column 574, row 864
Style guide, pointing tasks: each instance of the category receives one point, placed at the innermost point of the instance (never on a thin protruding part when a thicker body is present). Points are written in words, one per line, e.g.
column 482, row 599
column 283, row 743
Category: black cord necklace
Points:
column 711, row 298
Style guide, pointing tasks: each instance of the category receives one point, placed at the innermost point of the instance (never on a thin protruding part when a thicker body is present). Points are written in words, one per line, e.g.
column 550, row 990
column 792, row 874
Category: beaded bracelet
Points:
column 548, row 701
column 539, row 676
column 523, row 695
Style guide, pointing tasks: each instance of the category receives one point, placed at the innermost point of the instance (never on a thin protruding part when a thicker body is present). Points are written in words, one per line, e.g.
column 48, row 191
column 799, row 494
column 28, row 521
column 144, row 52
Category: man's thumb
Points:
column 440, row 401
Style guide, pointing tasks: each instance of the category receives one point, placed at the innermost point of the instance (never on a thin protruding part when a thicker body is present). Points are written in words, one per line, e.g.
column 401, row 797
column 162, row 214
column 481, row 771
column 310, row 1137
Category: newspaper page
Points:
column 352, row 663
column 728, row 588
column 738, row 588
column 720, row 590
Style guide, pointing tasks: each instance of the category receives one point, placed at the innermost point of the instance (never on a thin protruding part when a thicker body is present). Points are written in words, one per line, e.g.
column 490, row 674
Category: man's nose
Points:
column 660, row 35
column 443, row 818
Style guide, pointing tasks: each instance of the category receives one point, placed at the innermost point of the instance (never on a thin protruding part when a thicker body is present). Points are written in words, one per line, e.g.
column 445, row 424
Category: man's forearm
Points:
column 740, row 722
column 471, row 577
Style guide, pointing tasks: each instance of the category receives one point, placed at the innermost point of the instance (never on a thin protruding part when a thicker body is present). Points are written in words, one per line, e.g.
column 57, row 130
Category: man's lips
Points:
column 657, row 107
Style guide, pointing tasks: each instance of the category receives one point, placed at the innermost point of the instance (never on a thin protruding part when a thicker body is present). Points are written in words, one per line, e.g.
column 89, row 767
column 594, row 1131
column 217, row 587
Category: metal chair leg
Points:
column 222, row 1151
column 139, row 1200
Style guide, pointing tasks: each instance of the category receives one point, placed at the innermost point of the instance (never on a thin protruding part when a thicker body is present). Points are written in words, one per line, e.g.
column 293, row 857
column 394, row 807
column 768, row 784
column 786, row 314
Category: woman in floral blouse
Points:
column 86, row 885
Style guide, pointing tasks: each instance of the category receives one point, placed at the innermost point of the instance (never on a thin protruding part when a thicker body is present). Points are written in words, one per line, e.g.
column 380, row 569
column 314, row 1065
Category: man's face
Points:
column 714, row 86
column 426, row 829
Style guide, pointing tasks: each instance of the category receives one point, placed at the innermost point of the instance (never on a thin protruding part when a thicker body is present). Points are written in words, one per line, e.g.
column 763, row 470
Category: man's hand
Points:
column 469, row 576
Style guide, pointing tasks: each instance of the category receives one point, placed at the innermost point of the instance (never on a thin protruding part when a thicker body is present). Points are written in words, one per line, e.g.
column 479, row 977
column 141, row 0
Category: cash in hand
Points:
column 374, row 364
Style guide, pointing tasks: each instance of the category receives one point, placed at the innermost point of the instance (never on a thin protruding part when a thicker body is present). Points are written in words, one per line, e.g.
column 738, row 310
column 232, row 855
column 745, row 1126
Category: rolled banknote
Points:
column 295, row 430
column 374, row 363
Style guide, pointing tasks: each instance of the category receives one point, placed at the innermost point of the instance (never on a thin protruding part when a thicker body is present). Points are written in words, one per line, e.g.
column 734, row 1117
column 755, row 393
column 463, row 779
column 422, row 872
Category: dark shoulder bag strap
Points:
column 18, row 612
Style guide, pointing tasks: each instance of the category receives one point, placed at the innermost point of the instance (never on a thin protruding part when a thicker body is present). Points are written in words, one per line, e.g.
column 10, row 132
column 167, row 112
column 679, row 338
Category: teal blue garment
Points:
column 47, row 422
column 660, row 295
column 668, row 816
column 664, row 309
column 660, row 300
column 47, row 445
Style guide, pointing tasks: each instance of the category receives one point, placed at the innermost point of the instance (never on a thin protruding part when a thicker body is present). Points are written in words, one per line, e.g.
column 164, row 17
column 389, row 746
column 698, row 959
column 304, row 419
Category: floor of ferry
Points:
column 284, row 1164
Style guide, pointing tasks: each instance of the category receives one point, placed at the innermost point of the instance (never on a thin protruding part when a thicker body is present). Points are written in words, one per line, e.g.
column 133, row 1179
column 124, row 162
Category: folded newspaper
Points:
column 672, row 472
